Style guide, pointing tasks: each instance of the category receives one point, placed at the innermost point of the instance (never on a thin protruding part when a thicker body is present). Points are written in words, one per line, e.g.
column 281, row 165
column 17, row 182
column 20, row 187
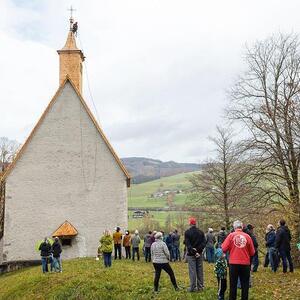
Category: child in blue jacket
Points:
column 221, row 273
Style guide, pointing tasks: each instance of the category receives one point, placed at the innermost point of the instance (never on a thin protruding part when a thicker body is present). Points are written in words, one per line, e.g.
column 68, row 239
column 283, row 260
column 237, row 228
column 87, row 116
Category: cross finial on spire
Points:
column 71, row 9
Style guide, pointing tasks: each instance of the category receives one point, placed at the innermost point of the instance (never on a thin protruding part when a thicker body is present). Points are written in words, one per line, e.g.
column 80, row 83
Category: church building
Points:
column 66, row 180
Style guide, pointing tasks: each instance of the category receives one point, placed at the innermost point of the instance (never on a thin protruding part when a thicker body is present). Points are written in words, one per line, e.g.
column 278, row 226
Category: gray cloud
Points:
column 158, row 70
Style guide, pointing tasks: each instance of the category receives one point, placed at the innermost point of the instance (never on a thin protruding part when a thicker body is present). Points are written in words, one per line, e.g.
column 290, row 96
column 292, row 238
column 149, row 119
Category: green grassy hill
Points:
column 139, row 196
column 88, row 279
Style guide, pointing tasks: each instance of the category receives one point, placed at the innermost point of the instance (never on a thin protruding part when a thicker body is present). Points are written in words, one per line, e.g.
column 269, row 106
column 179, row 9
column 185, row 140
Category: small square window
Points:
column 66, row 242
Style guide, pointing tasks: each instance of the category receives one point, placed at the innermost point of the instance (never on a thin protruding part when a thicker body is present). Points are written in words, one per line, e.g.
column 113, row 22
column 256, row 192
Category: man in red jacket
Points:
column 240, row 247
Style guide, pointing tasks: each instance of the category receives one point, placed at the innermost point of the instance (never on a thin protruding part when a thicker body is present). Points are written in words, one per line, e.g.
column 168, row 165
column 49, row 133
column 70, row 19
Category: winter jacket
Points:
column 221, row 236
column 147, row 240
column 253, row 237
column 135, row 241
column 240, row 247
column 254, row 240
column 194, row 238
column 210, row 240
column 220, row 268
column 152, row 239
column 45, row 249
column 283, row 239
column 56, row 249
column 106, row 244
column 117, row 237
column 127, row 240
column 169, row 241
column 159, row 252
column 176, row 239
column 270, row 238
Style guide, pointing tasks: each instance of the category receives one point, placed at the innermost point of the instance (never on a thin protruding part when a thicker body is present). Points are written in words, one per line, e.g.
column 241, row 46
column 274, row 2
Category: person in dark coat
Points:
column 45, row 249
column 283, row 245
column 176, row 245
column 271, row 250
column 152, row 239
column 266, row 261
column 254, row 259
column 195, row 242
column 254, row 262
column 221, row 236
column 147, row 246
column 210, row 246
column 169, row 243
column 56, row 251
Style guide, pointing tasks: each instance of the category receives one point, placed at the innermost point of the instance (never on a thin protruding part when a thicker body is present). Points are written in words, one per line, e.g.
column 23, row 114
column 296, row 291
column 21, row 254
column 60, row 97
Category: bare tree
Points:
column 181, row 221
column 2, row 203
column 225, row 187
column 8, row 150
column 266, row 99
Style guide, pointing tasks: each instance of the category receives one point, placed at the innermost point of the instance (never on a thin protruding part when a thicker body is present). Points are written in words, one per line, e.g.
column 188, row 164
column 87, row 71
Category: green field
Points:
column 159, row 216
column 88, row 279
column 139, row 196
column 179, row 181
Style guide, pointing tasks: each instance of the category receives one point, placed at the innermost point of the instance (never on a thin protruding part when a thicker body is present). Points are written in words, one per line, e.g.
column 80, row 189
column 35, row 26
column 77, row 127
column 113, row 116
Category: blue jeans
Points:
column 44, row 264
column 137, row 251
column 170, row 248
column 286, row 256
column 107, row 259
column 255, row 262
column 147, row 254
column 176, row 253
column 57, row 264
column 51, row 262
column 273, row 259
column 210, row 254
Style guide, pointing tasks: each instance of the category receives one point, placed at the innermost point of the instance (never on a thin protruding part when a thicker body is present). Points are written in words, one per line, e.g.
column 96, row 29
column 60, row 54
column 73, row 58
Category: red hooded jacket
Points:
column 240, row 247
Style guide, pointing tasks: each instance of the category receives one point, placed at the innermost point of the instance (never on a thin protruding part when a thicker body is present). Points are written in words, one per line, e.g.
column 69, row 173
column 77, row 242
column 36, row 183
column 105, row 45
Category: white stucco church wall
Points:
column 66, row 172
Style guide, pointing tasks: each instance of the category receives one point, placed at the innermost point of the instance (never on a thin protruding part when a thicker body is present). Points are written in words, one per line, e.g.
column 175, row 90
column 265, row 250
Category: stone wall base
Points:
column 17, row 265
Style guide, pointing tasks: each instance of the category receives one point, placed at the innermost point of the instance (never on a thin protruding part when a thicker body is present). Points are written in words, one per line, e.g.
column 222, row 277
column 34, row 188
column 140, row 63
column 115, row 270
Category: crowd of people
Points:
column 236, row 251
column 131, row 244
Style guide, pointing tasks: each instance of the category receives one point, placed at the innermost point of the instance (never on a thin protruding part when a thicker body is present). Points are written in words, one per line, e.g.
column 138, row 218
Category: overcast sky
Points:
column 158, row 69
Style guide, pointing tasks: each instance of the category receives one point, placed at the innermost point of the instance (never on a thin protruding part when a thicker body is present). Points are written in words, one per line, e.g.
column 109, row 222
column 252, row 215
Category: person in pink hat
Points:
column 194, row 239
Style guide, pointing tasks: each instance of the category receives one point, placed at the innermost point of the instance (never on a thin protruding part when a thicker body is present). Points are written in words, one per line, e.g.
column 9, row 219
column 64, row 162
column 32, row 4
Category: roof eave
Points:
column 22, row 149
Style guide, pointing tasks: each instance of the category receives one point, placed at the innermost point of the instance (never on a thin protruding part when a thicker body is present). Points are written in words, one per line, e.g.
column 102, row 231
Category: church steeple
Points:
column 71, row 58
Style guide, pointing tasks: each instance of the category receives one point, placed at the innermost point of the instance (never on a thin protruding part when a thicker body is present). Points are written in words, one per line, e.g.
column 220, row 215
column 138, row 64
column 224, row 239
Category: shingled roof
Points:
column 65, row 230
column 19, row 154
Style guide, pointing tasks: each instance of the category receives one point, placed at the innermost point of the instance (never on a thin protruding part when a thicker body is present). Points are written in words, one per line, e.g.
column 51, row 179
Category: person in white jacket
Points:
column 160, row 258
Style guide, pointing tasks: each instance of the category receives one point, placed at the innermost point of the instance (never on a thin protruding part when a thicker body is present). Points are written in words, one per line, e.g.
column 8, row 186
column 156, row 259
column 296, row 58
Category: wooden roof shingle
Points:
column 65, row 230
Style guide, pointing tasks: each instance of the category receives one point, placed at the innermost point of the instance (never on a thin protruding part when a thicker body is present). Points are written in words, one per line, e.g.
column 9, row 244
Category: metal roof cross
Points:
column 71, row 9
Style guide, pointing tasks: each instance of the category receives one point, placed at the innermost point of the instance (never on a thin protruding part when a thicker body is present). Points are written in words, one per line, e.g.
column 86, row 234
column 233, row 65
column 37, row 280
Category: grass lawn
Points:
column 88, row 279
column 139, row 194
column 178, row 181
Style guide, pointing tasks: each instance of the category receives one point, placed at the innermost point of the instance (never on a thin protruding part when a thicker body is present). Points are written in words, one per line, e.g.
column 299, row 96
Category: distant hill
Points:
column 144, row 169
